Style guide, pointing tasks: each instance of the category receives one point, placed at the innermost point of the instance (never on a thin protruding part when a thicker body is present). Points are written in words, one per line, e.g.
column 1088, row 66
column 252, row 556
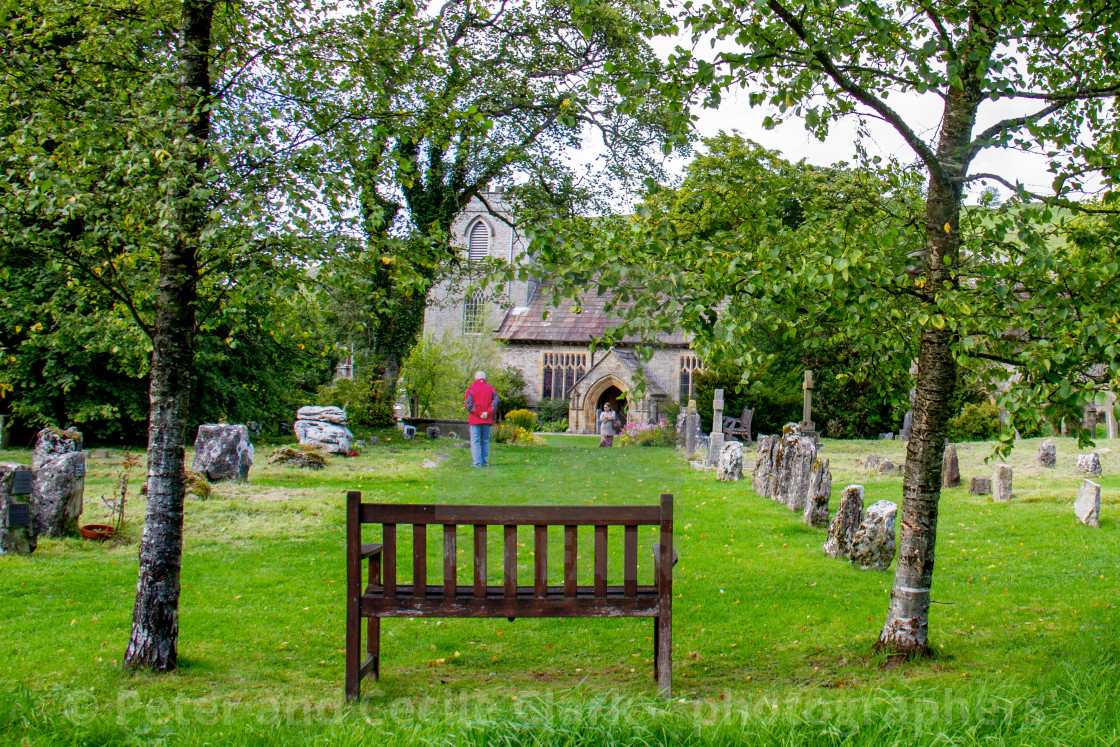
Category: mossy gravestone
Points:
column 17, row 528
column 842, row 530
column 950, row 468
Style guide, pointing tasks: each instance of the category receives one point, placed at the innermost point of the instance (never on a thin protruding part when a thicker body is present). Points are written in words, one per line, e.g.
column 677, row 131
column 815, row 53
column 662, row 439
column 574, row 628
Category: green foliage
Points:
column 439, row 372
column 522, row 419
column 515, row 435
column 355, row 396
column 553, row 409
column 648, row 434
column 553, row 426
column 978, row 421
column 509, row 383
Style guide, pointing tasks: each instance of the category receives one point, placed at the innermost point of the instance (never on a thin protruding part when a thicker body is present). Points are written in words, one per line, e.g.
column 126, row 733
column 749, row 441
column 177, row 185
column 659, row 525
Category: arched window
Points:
column 559, row 372
column 479, row 242
column 690, row 364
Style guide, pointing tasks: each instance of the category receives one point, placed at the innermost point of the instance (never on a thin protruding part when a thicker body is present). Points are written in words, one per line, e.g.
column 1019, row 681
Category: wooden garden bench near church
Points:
column 381, row 595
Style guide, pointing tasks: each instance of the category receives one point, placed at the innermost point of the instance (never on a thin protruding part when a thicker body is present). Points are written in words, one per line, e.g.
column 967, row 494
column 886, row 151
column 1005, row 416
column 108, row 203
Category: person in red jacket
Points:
column 481, row 401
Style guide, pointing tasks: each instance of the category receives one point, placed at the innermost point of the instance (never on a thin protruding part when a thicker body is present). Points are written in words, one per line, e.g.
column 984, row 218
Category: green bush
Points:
column 355, row 396
column 553, row 426
column 553, row 409
column 648, row 434
column 522, row 419
column 515, row 435
column 978, row 421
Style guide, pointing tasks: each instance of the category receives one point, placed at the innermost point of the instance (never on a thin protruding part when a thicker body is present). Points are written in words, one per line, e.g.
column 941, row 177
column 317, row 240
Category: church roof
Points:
column 527, row 323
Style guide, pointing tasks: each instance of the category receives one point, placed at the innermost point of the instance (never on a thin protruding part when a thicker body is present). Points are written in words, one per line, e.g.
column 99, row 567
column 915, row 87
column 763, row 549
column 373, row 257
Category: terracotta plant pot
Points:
column 97, row 531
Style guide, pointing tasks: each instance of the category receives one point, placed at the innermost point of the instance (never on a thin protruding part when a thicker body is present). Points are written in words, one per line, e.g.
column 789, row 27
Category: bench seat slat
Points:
column 494, row 591
column 467, row 606
column 417, row 513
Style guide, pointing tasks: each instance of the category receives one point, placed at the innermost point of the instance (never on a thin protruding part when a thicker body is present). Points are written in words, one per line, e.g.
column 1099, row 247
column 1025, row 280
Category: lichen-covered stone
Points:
column 763, row 475
column 311, row 457
column 15, row 540
column 950, row 468
column 842, row 530
column 223, row 452
column 1001, row 483
column 57, row 502
column 335, row 415
column 1087, row 506
column 820, row 490
column 1090, row 464
column 873, row 547
column 715, row 450
column 51, row 442
column 871, row 462
column 336, row 439
column 887, row 467
column 197, row 485
column 793, row 466
column 980, row 485
column 1047, row 454
column 730, row 467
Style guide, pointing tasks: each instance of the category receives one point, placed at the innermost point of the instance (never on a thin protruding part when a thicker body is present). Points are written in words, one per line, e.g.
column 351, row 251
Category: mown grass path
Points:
column 772, row 637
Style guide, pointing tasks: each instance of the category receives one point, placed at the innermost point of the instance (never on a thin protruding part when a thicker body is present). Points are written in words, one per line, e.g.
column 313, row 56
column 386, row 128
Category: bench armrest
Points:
column 370, row 549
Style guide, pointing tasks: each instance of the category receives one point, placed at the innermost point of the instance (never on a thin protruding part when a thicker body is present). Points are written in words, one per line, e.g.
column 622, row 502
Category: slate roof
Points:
column 525, row 323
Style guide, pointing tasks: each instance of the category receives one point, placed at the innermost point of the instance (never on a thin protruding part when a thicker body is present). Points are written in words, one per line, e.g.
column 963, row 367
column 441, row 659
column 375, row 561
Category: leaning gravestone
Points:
column 60, row 489
column 223, row 452
column 324, row 427
column 950, row 468
column 762, row 477
column 1090, row 464
column 715, row 449
column 682, row 429
column 1087, row 506
column 873, row 546
column 980, row 485
column 17, row 528
column 51, row 442
column 1047, row 454
column 1001, row 484
column 820, row 489
column 842, row 530
column 730, row 467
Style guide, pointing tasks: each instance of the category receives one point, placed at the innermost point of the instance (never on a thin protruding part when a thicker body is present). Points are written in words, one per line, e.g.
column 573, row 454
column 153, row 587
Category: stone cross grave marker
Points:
column 717, row 411
column 808, row 429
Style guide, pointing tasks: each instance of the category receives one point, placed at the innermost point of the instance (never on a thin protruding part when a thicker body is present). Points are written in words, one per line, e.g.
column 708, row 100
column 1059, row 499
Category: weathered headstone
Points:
column 793, row 467
column 54, row 442
column 1110, row 425
column 408, row 432
column 682, row 429
column 223, row 452
column 1047, row 454
column 886, row 436
column 1090, row 464
column 325, row 427
column 887, row 467
column 1001, row 483
column 907, row 425
column 763, row 475
column 57, row 499
column 873, row 547
column 820, row 490
column 842, row 529
column 717, row 411
column 950, row 468
column 17, row 525
column 980, row 485
column 1087, row 506
column 432, row 432
column 871, row 462
column 730, row 467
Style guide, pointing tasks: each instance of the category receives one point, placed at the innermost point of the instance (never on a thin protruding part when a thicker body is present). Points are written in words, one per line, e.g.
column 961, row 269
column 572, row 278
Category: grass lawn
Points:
column 772, row 637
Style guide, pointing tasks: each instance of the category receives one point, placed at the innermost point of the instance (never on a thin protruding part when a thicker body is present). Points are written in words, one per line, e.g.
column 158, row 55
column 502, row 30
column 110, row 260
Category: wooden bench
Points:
column 383, row 596
column 739, row 428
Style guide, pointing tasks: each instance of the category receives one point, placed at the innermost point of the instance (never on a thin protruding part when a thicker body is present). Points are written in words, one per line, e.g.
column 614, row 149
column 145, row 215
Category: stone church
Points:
column 554, row 353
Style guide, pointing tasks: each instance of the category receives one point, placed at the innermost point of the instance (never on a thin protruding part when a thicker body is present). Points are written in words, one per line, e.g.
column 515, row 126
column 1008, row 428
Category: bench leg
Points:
column 656, row 661
column 663, row 653
column 373, row 645
column 353, row 652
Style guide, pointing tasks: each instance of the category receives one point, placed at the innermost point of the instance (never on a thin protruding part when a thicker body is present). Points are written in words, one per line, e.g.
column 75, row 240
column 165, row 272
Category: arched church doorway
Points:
column 616, row 398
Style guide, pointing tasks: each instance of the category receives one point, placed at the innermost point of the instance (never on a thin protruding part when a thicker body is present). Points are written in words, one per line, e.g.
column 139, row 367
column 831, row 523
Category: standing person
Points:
column 481, row 401
column 608, row 426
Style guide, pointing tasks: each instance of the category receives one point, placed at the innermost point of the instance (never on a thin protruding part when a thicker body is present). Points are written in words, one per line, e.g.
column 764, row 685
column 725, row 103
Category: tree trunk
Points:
column 153, row 643
column 906, row 630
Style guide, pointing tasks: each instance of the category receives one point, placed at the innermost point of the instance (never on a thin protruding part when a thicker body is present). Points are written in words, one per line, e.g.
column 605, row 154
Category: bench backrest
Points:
column 509, row 518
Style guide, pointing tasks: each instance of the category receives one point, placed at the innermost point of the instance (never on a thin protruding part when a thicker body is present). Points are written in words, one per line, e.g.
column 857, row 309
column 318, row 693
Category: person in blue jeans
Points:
column 481, row 400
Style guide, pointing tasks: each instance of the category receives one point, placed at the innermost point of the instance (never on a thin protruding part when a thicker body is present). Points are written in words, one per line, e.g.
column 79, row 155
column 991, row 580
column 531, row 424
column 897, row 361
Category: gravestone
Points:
column 871, row 462
column 886, row 436
column 907, row 425
column 682, row 429
column 730, row 467
column 1090, row 464
column 1001, row 484
column 793, row 466
column 1047, row 454
column 762, row 477
column 1110, row 425
column 715, row 449
column 324, row 427
column 432, row 432
column 223, row 452
column 887, row 467
column 820, row 490
column 717, row 410
column 873, row 547
column 808, row 428
column 980, row 485
column 409, row 432
column 60, row 490
column 842, row 529
column 17, row 526
column 715, row 440
column 1087, row 506
column 54, row 442
column 950, row 468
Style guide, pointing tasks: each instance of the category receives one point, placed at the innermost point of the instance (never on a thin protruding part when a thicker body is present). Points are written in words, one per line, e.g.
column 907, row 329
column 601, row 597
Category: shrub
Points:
column 978, row 421
column 553, row 409
column 648, row 434
column 553, row 426
column 515, row 435
column 299, row 455
column 355, row 396
column 522, row 419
